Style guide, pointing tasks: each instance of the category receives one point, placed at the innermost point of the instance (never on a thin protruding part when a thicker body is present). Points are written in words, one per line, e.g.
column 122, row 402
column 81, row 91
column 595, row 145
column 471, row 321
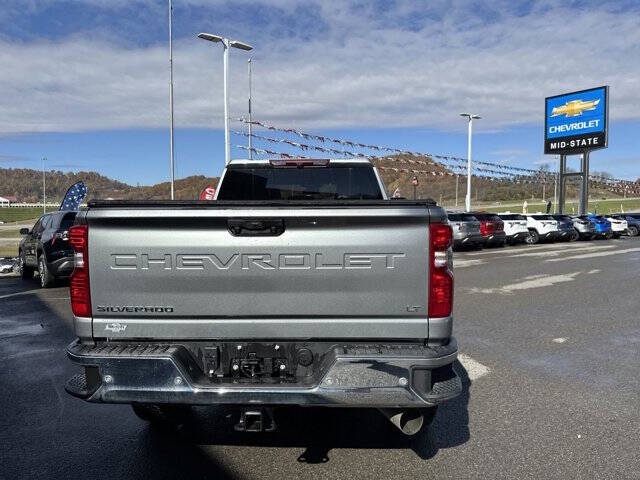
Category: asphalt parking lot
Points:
column 551, row 349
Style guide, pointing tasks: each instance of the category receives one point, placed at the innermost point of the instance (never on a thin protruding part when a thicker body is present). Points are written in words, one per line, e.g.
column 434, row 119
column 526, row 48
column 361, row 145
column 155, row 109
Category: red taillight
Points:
column 79, row 284
column 487, row 227
column 440, row 277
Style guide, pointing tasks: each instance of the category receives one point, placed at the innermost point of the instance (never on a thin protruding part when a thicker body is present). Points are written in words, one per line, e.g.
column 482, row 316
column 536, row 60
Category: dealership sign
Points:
column 576, row 122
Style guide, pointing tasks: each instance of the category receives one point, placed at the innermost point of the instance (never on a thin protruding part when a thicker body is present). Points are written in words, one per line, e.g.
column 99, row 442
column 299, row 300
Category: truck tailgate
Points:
column 334, row 272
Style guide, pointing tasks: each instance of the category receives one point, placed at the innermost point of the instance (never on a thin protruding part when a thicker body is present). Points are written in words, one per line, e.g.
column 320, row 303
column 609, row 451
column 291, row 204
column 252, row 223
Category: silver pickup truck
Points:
column 301, row 284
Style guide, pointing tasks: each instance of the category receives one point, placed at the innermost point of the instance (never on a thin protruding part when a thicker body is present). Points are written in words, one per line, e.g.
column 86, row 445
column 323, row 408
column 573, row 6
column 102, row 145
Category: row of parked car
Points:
column 479, row 229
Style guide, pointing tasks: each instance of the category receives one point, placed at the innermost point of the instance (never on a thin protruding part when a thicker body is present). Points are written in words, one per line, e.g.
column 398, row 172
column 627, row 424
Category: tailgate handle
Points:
column 255, row 227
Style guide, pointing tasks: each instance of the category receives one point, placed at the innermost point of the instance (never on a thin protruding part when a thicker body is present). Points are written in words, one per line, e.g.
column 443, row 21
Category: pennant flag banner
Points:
column 546, row 177
column 74, row 197
column 494, row 170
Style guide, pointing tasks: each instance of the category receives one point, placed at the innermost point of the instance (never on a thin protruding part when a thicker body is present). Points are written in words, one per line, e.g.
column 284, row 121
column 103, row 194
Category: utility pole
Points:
column 44, row 188
column 457, row 176
column 470, row 118
column 584, row 187
column 544, row 185
column 226, row 44
column 250, row 119
column 555, row 193
column 171, row 97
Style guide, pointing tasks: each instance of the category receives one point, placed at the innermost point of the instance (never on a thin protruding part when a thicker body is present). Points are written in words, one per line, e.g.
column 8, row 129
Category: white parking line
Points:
column 28, row 292
column 594, row 255
column 527, row 248
column 457, row 263
column 533, row 281
column 474, row 369
column 555, row 253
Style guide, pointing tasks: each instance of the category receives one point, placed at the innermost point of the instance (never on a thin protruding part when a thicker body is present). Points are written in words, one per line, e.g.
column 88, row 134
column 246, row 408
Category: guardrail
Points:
column 55, row 205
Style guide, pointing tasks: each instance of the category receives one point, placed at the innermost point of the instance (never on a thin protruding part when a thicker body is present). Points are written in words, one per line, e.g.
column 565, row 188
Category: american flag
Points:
column 74, row 196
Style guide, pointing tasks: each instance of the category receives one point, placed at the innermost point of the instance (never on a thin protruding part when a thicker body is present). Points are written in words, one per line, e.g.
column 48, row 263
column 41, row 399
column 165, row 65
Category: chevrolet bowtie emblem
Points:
column 574, row 108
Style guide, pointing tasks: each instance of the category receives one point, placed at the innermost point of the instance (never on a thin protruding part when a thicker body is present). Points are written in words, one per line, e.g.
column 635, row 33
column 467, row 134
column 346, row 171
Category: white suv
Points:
column 541, row 227
column 618, row 226
column 515, row 227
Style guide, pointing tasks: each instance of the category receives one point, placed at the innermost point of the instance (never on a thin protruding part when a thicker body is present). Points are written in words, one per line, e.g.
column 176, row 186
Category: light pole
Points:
column 171, row 149
column 467, row 199
column 44, row 188
column 226, row 43
column 250, row 119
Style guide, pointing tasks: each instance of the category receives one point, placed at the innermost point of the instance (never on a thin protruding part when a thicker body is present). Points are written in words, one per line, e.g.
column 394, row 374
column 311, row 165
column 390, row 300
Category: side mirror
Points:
column 24, row 231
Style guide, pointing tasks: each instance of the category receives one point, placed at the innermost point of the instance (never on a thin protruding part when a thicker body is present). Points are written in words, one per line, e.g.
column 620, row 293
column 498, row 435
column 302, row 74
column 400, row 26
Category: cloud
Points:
column 14, row 159
column 399, row 65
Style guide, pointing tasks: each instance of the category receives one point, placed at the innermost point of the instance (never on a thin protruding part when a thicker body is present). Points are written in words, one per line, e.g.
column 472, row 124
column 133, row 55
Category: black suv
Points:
column 46, row 248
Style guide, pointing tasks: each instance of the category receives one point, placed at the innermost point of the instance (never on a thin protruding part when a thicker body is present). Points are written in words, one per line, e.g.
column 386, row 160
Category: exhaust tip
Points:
column 408, row 421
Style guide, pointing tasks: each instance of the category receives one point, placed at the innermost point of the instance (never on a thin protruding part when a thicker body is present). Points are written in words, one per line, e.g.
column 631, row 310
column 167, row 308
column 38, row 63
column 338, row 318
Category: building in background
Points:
column 6, row 201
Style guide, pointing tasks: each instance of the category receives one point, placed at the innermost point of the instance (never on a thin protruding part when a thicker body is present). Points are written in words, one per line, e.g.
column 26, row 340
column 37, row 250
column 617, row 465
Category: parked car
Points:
column 301, row 285
column 515, row 227
column 45, row 248
column 566, row 230
column 491, row 228
column 7, row 265
column 618, row 225
column 633, row 222
column 466, row 230
column 584, row 226
column 542, row 227
column 602, row 226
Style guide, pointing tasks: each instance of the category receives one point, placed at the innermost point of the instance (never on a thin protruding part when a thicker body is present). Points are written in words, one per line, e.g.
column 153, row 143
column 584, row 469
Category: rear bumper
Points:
column 565, row 233
column 475, row 238
column 495, row 238
column 551, row 235
column 61, row 267
column 518, row 236
column 360, row 376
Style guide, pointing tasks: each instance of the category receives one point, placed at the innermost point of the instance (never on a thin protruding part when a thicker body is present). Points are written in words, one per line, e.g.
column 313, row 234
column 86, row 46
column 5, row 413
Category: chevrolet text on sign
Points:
column 577, row 121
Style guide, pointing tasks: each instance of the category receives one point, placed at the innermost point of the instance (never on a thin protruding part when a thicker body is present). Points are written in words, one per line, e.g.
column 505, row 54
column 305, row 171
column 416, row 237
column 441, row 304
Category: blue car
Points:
column 602, row 226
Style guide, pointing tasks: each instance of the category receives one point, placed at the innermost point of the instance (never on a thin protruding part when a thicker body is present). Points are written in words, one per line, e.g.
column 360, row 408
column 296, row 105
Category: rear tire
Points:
column 26, row 273
column 574, row 236
column 46, row 278
column 533, row 237
column 163, row 416
column 632, row 231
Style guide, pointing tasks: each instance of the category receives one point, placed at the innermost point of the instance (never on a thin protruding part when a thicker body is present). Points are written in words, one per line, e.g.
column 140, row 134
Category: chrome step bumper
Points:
column 376, row 376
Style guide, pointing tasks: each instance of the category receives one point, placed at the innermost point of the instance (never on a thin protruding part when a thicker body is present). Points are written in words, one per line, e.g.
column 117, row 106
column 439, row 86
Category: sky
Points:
column 85, row 83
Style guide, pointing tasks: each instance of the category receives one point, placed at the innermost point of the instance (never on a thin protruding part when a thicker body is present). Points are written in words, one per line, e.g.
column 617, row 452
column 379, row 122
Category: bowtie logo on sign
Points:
column 574, row 108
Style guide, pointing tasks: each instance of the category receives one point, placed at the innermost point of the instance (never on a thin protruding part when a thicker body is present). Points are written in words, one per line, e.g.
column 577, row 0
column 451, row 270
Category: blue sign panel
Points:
column 576, row 122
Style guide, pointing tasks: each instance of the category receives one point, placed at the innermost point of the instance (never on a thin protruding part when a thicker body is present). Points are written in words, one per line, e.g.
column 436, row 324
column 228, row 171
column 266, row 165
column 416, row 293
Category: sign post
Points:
column 414, row 182
column 574, row 124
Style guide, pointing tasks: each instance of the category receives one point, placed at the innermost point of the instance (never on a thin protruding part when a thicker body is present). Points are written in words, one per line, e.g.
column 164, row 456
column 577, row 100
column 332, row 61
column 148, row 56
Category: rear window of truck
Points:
column 461, row 217
column 67, row 220
column 324, row 183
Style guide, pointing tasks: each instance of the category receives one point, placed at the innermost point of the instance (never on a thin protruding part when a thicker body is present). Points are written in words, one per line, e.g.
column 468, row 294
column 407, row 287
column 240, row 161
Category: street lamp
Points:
column 44, row 188
column 171, row 138
column 467, row 200
column 226, row 43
